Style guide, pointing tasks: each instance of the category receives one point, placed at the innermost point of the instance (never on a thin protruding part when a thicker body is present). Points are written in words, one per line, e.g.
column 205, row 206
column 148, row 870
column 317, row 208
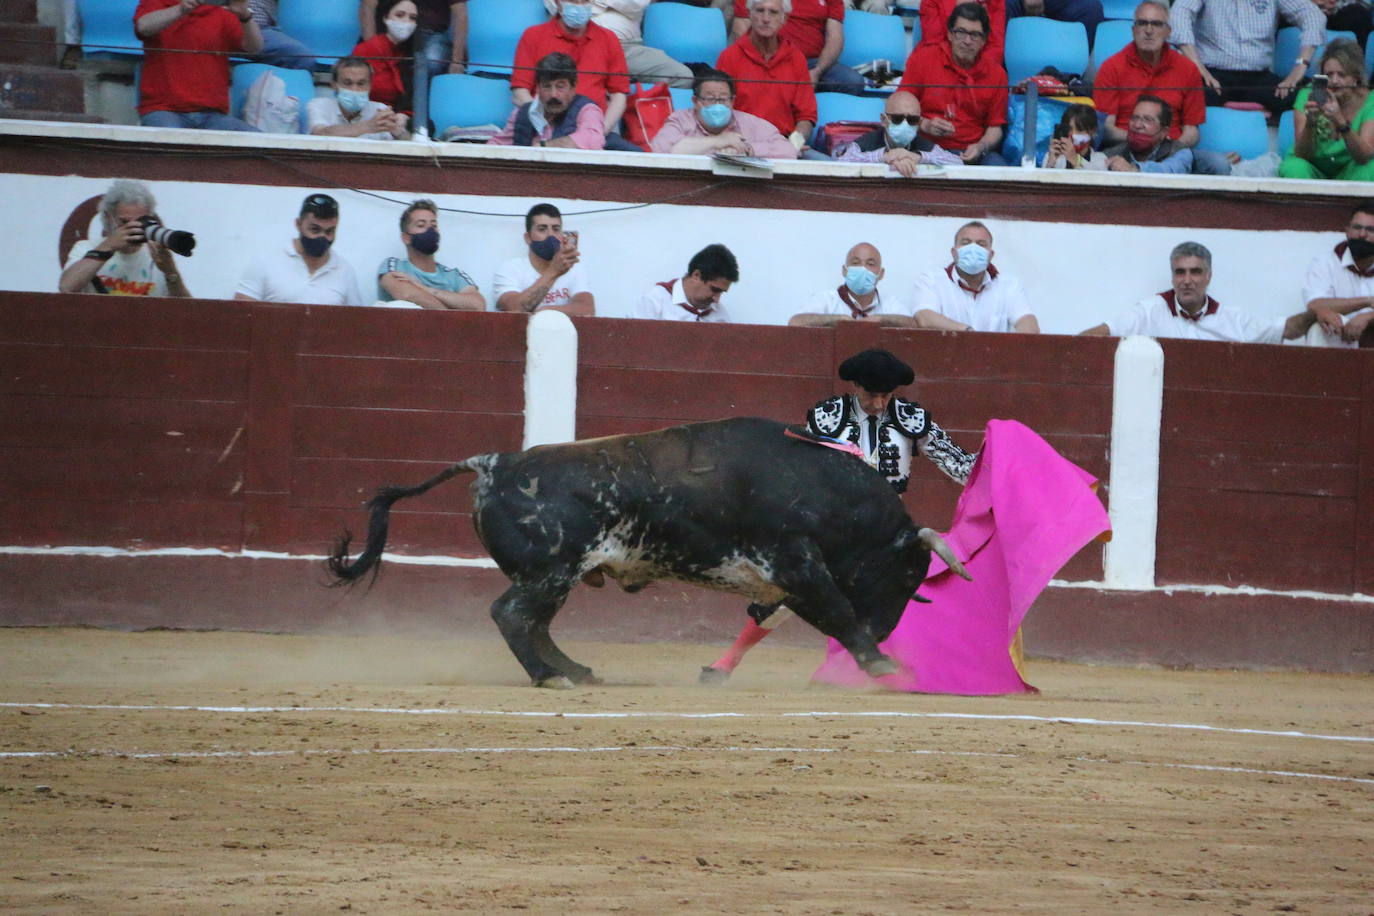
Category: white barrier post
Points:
column 1137, row 413
column 550, row 379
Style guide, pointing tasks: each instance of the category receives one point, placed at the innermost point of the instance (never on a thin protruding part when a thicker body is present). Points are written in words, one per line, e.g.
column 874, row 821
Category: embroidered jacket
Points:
column 904, row 426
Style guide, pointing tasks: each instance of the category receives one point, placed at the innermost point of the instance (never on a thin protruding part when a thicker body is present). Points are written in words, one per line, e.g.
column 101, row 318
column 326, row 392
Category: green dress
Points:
column 1330, row 157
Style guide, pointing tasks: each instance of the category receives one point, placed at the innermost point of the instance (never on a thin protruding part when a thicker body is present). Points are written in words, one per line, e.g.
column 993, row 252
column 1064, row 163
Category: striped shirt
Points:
column 1239, row 34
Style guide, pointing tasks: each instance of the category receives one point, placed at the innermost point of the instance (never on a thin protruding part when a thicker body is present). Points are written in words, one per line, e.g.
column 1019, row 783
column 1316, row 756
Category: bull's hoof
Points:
column 557, row 682
column 587, row 680
column 713, row 677
column 881, row 666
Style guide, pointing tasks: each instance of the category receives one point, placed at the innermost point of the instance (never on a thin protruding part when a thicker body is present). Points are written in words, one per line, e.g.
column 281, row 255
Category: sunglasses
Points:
column 913, row 120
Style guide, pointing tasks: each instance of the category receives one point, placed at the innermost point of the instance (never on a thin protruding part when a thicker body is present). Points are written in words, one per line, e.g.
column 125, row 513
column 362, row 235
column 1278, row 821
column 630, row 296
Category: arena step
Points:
column 25, row 87
column 18, row 10
column 27, row 43
column 23, row 114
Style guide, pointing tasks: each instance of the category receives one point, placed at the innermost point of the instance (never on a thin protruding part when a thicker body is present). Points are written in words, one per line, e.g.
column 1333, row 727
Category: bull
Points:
column 736, row 505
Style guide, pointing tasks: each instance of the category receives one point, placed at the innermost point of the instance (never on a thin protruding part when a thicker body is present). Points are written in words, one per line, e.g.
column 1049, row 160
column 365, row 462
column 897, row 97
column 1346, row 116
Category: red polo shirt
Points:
column 783, row 103
column 175, row 81
column 805, row 25
column 1175, row 80
column 935, row 23
column 601, row 67
column 973, row 99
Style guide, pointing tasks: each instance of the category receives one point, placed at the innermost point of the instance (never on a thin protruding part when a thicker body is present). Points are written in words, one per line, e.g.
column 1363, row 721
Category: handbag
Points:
column 646, row 111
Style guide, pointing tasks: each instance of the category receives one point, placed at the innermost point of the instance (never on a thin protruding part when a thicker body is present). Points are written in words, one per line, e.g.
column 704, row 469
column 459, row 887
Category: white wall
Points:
column 1076, row 275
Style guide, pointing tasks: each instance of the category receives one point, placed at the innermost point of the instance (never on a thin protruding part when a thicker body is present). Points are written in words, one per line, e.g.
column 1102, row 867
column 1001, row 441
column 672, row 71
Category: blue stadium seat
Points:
column 468, row 101
column 840, row 106
column 106, row 25
column 299, row 83
column 494, row 29
column 1034, row 43
column 687, row 34
column 1112, row 36
column 1286, row 45
column 1227, row 130
column 327, row 27
column 1119, row 9
column 682, row 98
column 1286, row 133
column 869, row 37
column 1368, row 59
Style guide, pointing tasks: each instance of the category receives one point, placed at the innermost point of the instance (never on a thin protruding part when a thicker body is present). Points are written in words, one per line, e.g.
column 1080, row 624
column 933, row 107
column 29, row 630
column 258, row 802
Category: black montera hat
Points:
column 876, row 370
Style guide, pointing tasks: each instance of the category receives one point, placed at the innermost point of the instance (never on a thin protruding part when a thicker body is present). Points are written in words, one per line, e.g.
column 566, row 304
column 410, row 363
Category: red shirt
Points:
column 973, row 99
column 805, row 25
column 782, row 104
column 601, row 67
column 1176, row 80
column 387, row 85
column 935, row 24
column 188, row 82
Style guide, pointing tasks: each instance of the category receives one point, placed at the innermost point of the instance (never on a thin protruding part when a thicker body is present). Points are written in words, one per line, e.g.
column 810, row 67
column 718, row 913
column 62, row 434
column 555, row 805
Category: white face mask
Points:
column 400, row 29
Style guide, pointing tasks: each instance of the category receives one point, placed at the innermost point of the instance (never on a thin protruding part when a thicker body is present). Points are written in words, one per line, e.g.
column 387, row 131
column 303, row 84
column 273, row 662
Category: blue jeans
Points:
column 1210, row 162
column 436, row 48
column 281, row 50
column 991, row 157
column 196, row 120
column 1088, row 12
column 839, row 78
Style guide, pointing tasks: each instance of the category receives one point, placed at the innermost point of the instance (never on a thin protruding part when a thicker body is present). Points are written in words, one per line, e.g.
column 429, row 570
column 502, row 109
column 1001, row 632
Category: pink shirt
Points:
column 590, row 132
column 762, row 135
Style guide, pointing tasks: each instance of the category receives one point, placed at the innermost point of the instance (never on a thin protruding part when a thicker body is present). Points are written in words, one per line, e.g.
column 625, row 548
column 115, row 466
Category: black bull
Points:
column 735, row 505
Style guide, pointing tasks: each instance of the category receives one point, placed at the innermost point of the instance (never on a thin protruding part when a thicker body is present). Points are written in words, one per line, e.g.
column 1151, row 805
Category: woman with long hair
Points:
column 391, row 53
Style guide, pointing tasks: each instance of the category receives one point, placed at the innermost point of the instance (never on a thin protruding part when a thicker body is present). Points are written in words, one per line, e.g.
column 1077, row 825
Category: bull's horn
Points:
column 933, row 542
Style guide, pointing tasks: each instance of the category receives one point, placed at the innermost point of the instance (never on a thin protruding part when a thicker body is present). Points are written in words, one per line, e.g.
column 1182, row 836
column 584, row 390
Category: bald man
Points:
column 896, row 141
column 857, row 298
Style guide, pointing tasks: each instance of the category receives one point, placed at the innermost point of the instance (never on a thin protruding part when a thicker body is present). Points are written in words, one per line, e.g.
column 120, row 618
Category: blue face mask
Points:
column 972, row 259
column 350, row 100
column 716, row 116
column 546, row 248
column 860, row 280
column 575, row 16
column 901, row 134
column 426, row 242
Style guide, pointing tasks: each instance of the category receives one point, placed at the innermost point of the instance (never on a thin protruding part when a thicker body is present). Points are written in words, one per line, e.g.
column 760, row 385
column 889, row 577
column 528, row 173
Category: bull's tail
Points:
column 346, row 573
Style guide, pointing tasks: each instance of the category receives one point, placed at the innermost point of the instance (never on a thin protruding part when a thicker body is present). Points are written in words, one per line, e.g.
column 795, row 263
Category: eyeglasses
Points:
column 966, row 33
column 1151, row 24
column 715, row 99
column 1147, row 120
column 913, row 120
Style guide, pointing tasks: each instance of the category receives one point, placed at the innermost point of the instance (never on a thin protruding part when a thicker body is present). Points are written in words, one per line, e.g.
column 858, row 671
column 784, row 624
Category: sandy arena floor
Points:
column 378, row 775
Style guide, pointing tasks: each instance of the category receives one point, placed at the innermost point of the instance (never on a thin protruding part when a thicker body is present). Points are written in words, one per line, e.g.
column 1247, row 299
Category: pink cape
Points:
column 1024, row 512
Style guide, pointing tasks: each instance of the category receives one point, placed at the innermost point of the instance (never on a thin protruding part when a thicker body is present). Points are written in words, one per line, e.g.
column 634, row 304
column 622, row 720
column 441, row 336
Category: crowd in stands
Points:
column 969, row 293
column 1149, row 100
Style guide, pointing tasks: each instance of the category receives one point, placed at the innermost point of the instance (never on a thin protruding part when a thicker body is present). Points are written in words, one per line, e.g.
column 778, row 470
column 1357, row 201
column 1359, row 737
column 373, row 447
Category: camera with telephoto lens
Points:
column 183, row 243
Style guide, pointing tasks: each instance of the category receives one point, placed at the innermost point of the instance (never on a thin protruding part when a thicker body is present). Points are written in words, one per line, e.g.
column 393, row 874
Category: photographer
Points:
column 1072, row 144
column 125, row 262
column 179, row 89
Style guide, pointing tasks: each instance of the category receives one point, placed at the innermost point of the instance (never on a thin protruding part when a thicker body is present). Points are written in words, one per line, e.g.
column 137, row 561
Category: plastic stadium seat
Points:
column 468, row 101
column 840, row 106
column 1286, row 132
column 109, row 24
column 1286, row 46
column 1368, row 61
column 1112, row 36
column 494, row 29
column 1034, row 43
column 1227, row 130
column 299, row 83
column 869, row 37
column 1119, row 9
column 327, row 27
column 687, row 34
column 682, row 98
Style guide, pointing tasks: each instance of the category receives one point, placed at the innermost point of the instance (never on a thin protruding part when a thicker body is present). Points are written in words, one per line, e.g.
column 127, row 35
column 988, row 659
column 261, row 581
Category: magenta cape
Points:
column 1024, row 512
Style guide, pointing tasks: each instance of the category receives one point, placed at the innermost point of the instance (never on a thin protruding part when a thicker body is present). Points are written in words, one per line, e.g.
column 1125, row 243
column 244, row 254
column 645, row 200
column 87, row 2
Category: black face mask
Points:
column 426, row 242
column 315, row 246
column 1360, row 248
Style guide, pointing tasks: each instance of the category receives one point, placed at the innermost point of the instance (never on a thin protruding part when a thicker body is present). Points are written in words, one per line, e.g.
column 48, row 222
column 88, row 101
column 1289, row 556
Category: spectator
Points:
column 125, row 262
column 1339, row 290
column 307, row 271
column 962, row 89
column 441, row 34
column 712, row 125
column 857, row 298
column 548, row 277
column 935, row 27
column 1148, row 147
column 896, row 141
column 1187, row 311
column 625, row 18
column 1334, row 139
column 771, row 74
column 1348, row 16
column 709, row 275
column 602, row 71
column 970, row 294
column 389, row 50
column 1088, row 12
column 180, row 89
column 557, row 116
column 350, row 112
column 418, row 278
column 278, row 48
column 881, row 7
column 1072, row 145
column 816, row 29
column 1232, row 44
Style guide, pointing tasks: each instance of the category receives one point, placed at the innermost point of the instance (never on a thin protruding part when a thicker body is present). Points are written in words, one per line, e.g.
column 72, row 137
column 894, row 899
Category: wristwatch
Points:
column 95, row 254
column 1301, row 62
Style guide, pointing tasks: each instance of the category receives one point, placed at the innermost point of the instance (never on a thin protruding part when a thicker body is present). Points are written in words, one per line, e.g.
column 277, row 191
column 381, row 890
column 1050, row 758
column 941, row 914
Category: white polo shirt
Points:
column 324, row 111
column 283, row 276
column 830, row 302
column 995, row 306
column 665, row 302
column 518, row 274
column 1159, row 316
column 1333, row 275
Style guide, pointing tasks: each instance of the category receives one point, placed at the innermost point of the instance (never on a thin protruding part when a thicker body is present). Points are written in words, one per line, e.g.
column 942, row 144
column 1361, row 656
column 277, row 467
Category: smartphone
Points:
column 571, row 238
column 1319, row 89
column 1060, row 131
